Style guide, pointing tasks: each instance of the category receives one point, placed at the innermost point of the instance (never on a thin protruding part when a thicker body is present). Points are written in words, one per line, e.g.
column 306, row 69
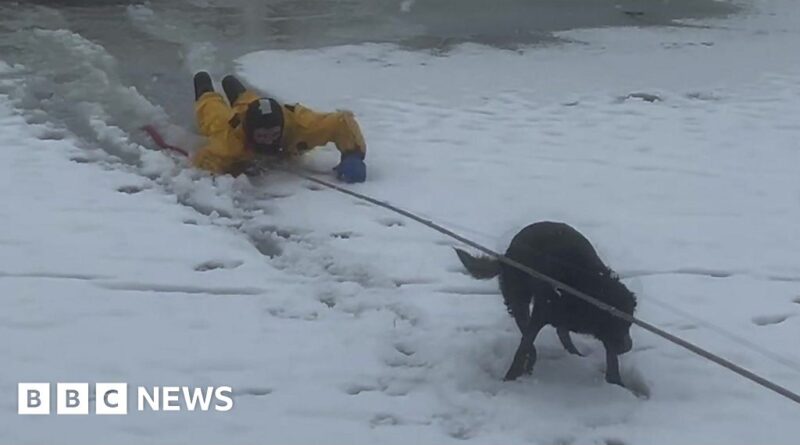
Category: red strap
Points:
column 156, row 136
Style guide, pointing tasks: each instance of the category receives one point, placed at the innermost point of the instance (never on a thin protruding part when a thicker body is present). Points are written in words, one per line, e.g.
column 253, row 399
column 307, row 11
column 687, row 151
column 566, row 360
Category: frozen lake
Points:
column 155, row 45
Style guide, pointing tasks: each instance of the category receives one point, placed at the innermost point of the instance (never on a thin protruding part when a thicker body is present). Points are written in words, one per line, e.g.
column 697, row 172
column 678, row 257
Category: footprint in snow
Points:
column 355, row 389
column 130, row 189
column 647, row 97
column 328, row 300
column 404, row 356
column 279, row 312
column 253, row 391
column 217, row 264
column 405, row 363
column 344, row 235
column 704, row 96
column 635, row 383
column 51, row 135
column 384, row 419
column 400, row 282
column 404, row 348
column 766, row 320
column 456, row 428
column 281, row 232
column 36, row 119
column 391, row 222
column 277, row 195
column 267, row 246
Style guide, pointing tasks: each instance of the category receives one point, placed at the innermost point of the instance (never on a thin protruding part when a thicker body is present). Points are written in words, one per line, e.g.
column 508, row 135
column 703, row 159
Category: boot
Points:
column 202, row 84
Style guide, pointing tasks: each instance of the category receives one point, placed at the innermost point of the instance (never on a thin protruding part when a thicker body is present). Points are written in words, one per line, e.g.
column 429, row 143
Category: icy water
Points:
column 93, row 52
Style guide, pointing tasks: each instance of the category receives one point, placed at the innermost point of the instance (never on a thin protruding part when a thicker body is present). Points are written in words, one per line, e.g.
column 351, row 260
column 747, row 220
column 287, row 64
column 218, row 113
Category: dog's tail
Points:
column 482, row 267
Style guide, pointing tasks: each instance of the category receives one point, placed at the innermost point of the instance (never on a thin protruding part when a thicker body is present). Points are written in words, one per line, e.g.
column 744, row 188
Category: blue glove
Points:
column 351, row 168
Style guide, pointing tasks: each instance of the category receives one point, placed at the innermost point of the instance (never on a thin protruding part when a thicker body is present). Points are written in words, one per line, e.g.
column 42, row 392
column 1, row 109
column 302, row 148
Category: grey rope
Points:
column 561, row 286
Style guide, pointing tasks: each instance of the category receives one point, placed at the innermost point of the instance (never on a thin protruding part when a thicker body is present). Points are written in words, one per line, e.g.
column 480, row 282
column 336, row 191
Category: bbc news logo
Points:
column 112, row 398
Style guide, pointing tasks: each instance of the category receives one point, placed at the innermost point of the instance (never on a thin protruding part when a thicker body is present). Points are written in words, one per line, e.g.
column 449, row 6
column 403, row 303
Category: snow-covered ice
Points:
column 335, row 321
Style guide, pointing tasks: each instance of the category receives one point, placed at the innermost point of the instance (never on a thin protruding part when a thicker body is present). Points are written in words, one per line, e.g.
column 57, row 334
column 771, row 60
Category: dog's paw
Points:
column 614, row 379
column 514, row 373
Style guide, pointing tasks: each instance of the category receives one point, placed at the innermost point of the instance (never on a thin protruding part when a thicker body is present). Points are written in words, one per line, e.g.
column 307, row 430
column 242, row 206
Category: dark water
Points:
column 116, row 60
column 311, row 23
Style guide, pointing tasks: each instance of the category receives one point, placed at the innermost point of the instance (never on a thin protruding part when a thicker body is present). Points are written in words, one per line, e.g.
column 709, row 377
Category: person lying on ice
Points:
column 253, row 126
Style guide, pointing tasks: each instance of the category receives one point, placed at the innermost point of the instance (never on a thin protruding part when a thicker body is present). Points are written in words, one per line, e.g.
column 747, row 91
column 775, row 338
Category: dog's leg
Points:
column 517, row 297
column 612, row 367
column 538, row 321
column 525, row 357
column 566, row 341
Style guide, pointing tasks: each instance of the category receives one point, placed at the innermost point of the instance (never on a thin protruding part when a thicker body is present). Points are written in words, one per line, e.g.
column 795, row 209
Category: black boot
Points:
column 202, row 84
column 233, row 88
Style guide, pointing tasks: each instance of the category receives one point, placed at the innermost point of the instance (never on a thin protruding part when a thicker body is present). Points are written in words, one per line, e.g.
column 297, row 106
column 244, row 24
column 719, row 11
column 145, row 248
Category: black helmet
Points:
column 263, row 126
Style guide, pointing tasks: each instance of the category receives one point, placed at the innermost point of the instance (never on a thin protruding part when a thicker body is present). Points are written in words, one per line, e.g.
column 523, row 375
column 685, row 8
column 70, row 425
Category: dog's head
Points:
column 615, row 332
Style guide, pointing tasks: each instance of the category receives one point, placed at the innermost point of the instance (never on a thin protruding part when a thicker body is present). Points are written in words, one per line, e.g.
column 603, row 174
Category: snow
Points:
column 335, row 321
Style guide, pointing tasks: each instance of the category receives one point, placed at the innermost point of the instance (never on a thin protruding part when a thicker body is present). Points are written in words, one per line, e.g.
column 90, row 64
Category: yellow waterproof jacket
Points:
column 304, row 129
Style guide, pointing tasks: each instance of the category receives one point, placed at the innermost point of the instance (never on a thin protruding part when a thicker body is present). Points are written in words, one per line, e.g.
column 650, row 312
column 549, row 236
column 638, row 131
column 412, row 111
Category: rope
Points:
column 153, row 133
column 534, row 273
column 562, row 286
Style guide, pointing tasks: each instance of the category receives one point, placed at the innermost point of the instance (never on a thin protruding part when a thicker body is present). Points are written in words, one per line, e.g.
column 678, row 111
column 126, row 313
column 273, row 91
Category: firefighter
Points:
column 249, row 126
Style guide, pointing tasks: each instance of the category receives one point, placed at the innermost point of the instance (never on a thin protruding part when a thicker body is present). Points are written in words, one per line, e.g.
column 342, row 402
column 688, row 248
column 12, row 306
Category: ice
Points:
column 335, row 321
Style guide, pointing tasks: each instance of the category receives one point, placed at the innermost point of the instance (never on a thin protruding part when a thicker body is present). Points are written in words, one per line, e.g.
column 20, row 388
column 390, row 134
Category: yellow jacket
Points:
column 304, row 129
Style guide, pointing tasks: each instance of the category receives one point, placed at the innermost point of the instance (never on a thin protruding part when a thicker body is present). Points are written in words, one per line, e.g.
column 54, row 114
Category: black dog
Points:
column 562, row 253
